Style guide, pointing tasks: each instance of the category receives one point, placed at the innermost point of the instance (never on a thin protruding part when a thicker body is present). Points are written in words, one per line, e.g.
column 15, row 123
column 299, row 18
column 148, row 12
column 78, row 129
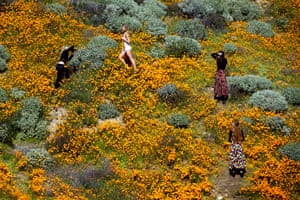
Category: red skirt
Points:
column 221, row 88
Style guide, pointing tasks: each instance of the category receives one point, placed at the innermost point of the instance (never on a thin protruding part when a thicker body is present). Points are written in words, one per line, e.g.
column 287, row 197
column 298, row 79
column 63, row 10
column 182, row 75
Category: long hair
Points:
column 237, row 135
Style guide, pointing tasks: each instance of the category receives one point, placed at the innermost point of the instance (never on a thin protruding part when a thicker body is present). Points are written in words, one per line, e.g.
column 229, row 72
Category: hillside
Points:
column 158, row 133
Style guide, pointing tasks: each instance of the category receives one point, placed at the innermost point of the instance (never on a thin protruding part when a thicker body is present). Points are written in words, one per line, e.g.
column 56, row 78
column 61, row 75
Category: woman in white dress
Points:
column 126, row 55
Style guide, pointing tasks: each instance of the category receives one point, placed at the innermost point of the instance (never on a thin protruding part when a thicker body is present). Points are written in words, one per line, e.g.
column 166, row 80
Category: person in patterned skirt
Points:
column 237, row 163
column 220, row 88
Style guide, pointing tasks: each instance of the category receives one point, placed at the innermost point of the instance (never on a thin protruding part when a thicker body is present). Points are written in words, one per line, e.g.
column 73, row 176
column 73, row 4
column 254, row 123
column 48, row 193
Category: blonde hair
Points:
column 237, row 135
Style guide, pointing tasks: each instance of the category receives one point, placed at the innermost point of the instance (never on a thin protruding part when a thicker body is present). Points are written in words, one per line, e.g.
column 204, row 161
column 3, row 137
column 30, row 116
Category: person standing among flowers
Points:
column 220, row 88
column 126, row 55
column 237, row 163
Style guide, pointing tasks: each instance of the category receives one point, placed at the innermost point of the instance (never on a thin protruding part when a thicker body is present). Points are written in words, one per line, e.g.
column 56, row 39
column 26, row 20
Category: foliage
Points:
column 190, row 28
column 178, row 120
column 229, row 48
column 292, row 95
column 269, row 100
column 157, row 51
column 244, row 10
column 4, row 54
column 16, row 93
column 178, row 46
column 157, row 7
column 103, row 42
column 3, row 95
column 115, row 24
column 291, row 150
column 156, row 26
column 56, row 8
column 169, row 93
column 260, row 28
column 108, row 111
column 39, row 158
column 248, row 84
column 30, row 120
column 278, row 124
column 215, row 21
column 3, row 65
column 4, row 134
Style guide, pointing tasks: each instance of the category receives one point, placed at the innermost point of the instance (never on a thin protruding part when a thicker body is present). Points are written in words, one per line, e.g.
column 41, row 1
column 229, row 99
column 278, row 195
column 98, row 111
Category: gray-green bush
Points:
column 178, row 46
column 4, row 53
column 243, row 10
column 115, row 24
column 30, row 119
column 269, row 100
column 292, row 95
column 169, row 93
column 260, row 28
column 16, row 93
column 56, row 8
column 190, row 28
column 3, row 95
column 108, row 111
column 291, row 150
column 158, row 9
column 229, row 48
column 102, row 42
column 3, row 65
column 157, row 51
column 242, row 85
column 178, row 120
column 39, row 158
column 278, row 125
column 155, row 26
column 215, row 21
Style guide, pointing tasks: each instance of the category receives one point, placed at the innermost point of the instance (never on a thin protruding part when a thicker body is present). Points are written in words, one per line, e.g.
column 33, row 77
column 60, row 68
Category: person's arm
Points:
column 243, row 136
column 125, row 38
column 214, row 55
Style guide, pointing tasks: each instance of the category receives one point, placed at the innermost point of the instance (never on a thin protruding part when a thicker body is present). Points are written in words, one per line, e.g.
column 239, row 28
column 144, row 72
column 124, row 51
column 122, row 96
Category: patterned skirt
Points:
column 221, row 88
column 237, row 163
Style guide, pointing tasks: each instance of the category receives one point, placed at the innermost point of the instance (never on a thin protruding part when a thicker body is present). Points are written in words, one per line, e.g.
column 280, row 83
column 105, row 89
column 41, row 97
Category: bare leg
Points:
column 129, row 54
column 121, row 57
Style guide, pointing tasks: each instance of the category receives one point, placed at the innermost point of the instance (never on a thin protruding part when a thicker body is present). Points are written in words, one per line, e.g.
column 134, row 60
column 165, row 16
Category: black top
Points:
column 221, row 61
column 64, row 56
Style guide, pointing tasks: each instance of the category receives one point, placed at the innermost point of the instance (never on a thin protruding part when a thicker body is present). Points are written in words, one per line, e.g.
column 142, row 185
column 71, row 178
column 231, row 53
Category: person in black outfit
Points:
column 221, row 88
column 61, row 66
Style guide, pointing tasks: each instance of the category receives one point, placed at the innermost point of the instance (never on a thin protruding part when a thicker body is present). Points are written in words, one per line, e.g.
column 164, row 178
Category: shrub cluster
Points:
column 178, row 120
column 292, row 95
column 277, row 124
column 56, row 8
column 30, row 121
column 3, row 95
column 179, row 46
column 190, row 28
column 229, row 48
column 260, row 28
column 215, row 21
column 169, row 93
column 155, row 26
column 107, row 111
column 157, row 51
column 4, row 57
column 292, row 151
column 230, row 9
column 269, row 100
column 94, row 54
column 39, row 158
column 17, row 93
column 241, row 85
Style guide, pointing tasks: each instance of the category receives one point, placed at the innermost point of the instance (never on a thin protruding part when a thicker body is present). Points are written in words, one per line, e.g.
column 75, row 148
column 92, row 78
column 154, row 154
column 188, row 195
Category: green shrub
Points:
column 108, row 111
column 4, row 54
column 169, row 93
column 102, row 42
column 292, row 151
column 56, row 8
column 30, row 120
column 156, row 26
column 241, row 85
column 260, row 28
column 190, row 28
column 282, row 23
column 157, row 51
column 277, row 124
column 292, row 95
column 3, row 95
column 178, row 46
column 243, row 10
column 158, row 9
column 4, row 133
column 39, row 158
column 229, row 48
column 178, row 120
column 115, row 24
column 214, row 21
column 17, row 93
column 3, row 65
column 269, row 100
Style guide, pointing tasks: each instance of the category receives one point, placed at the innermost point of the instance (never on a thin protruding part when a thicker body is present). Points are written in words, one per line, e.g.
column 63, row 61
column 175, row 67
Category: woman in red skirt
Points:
column 221, row 88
